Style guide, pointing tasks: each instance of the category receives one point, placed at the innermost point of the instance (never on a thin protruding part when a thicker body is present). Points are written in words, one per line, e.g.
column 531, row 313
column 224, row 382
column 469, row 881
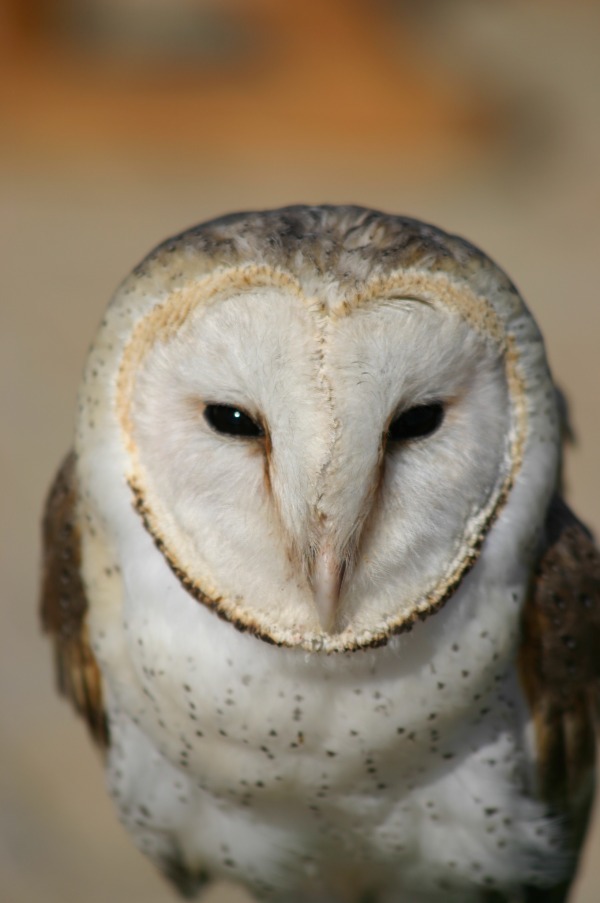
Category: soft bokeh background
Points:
column 122, row 121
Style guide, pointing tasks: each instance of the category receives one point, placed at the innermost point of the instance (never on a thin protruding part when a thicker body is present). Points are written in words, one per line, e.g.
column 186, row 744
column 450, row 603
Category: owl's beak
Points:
column 326, row 580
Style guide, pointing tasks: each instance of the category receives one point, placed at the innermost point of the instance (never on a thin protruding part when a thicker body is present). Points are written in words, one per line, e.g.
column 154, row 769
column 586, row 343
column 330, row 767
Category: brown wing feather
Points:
column 64, row 604
column 559, row 663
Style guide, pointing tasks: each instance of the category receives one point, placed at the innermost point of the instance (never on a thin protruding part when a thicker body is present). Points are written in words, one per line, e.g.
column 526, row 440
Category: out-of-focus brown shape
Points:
column 340, row 77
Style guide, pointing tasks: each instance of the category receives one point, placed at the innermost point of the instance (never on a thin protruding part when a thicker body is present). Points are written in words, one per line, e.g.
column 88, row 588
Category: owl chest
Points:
column 287, row 764
column 249, row 724
column 280, row 761
column 293, row 775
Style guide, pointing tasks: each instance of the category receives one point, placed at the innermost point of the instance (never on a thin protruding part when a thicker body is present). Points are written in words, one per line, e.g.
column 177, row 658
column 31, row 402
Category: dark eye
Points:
column 224, row 418
column 417, row 422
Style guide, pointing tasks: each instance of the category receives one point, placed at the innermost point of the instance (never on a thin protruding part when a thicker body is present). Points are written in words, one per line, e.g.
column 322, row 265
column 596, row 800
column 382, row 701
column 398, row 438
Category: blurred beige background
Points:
column 122, row 122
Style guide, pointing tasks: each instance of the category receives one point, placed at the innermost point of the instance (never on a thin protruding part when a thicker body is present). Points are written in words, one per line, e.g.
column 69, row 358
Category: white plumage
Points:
column 305, row 628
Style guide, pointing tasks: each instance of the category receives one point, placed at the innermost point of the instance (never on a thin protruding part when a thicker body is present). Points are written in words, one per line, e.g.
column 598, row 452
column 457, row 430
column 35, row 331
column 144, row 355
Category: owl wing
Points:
column 64, row 604
column 559, row 663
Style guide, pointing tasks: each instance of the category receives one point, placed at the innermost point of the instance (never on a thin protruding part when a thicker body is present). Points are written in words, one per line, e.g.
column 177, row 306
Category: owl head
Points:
column 320, row 415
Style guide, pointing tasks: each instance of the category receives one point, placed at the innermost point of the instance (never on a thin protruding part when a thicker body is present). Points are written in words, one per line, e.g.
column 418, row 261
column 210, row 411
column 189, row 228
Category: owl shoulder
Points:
column 562, row 614
column 559, row 666
column 64, row 604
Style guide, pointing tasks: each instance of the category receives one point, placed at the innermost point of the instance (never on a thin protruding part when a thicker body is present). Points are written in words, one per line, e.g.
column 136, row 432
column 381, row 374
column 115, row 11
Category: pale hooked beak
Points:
column 326, row 580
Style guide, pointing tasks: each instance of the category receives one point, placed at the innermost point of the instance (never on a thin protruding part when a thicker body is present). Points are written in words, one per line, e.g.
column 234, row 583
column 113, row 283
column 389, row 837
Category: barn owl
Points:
column 308, row 576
